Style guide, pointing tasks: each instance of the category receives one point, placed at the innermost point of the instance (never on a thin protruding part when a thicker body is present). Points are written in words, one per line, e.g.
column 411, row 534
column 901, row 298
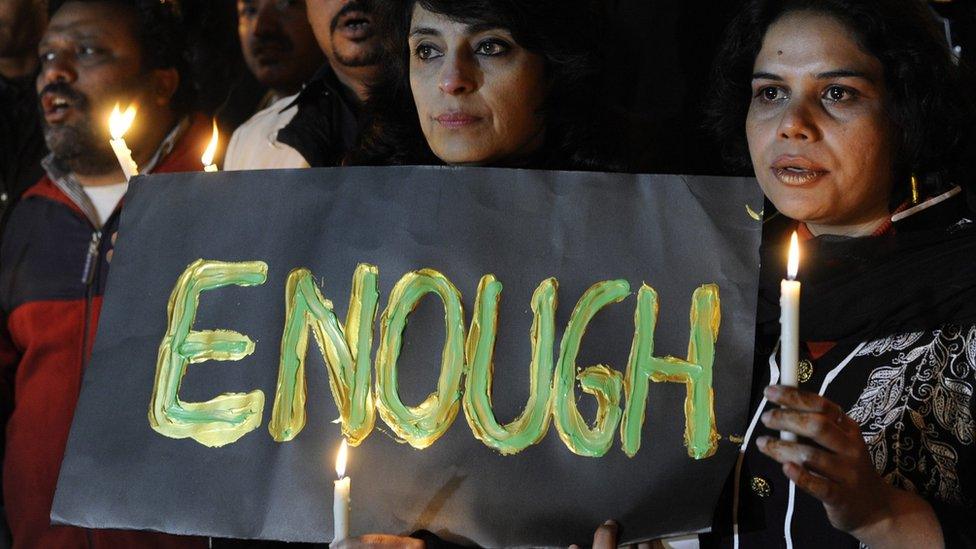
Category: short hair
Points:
column 160, row 33
column 561, row 31
column 927, row 97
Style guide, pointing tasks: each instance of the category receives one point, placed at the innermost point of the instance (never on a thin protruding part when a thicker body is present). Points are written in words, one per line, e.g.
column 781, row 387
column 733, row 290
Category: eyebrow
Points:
column 473, row 28
column 72, row 32
column 839, row 73
column 425, row 31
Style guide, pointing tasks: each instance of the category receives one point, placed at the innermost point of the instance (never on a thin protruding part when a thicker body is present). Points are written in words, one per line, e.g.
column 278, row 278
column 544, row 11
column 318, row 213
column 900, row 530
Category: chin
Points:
column 461, row 154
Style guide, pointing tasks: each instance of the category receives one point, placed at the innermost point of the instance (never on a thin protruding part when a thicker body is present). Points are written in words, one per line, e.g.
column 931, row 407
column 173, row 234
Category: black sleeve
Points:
column 958, row 525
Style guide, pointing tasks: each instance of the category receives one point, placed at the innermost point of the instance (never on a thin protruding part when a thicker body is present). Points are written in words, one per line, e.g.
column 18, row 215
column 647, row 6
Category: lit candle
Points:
column 208, row 155
column 340, row 498
column 789, row 321
column 118, row 124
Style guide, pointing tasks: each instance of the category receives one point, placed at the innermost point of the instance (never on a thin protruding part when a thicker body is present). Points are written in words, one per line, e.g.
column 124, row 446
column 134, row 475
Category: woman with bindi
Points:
column 484, row 83
column 854, row 117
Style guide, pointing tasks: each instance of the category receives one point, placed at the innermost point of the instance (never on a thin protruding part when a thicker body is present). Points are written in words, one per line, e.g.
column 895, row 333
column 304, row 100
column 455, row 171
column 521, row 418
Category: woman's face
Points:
column 819, row 136
column 478, row 93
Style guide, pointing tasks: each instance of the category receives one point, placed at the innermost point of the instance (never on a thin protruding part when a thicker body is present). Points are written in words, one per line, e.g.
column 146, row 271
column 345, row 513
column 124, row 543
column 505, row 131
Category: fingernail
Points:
column 772, row 391
column 762, row 442
column 610, row 522
column 767, row 416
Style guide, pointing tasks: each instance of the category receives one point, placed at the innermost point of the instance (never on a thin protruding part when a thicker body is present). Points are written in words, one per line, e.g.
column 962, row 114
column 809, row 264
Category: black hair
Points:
column 927, row 93
column 561, row 31
column 161, row 35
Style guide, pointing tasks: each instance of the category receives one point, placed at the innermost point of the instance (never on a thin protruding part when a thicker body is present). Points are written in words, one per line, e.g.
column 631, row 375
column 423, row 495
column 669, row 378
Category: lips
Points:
column 56, row 107
column 457, row 120
column 797, row 170
column 271, row 49
column 355, row 25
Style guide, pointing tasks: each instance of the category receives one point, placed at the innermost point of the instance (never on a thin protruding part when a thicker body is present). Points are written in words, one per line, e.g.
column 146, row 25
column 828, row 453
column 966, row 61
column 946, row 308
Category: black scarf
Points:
column 917, row 277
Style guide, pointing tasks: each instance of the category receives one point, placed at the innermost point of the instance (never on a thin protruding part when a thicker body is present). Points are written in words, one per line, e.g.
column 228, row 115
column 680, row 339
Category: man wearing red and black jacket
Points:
column 52, row 259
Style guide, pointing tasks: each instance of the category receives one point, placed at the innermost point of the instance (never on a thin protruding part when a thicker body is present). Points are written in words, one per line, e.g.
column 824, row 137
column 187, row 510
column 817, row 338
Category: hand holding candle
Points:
column 789, row 320
column 118, row 124
column 340, row 498
column 210, row 152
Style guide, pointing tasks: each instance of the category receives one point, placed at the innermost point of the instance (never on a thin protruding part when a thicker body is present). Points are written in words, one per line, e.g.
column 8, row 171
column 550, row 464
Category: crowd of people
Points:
column 856, row 117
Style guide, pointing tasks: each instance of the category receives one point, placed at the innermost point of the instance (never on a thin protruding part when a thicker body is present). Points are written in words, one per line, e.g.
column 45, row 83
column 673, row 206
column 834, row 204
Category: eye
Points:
column 47, row 56
column 87, row 51
column 839, row 94
column 771, row 94
column 284, row 5
column 246, row 9
column 492, row 47
column 425, row 51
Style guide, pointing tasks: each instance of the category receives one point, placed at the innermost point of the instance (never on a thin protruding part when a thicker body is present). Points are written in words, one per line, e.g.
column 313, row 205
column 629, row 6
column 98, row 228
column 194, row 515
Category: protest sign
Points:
column 514, row 356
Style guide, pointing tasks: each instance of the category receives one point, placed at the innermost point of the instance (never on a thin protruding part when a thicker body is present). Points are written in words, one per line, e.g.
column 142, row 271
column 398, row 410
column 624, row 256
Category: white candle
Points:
column 118, row 124
column 211, row 151
column 789, row 320
column 340, row 497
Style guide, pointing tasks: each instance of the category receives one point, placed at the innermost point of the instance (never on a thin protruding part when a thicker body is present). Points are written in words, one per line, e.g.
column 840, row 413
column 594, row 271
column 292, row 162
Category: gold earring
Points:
column 914, row 189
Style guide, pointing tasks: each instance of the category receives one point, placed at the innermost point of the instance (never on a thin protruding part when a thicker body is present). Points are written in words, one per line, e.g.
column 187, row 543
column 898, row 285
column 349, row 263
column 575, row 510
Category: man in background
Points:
column 278, row 45
column 319, row 125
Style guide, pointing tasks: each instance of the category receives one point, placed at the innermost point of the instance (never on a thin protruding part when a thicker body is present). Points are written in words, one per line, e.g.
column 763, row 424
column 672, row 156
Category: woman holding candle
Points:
column 855, row 119
column 485, row 83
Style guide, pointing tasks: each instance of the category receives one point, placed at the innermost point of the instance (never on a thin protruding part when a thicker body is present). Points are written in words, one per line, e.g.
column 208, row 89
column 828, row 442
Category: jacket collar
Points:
column 68, row 184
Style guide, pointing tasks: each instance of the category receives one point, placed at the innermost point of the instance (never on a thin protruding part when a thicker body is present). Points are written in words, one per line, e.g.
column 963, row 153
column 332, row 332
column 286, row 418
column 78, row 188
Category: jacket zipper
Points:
column 88, row 278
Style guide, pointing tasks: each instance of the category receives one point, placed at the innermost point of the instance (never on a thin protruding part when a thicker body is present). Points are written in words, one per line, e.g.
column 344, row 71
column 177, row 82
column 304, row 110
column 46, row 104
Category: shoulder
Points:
column 275, row 116
column 254, row 144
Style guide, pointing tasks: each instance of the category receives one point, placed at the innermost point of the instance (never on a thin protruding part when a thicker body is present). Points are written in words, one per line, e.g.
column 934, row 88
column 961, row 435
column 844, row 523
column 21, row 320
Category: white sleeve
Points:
column 254, row 145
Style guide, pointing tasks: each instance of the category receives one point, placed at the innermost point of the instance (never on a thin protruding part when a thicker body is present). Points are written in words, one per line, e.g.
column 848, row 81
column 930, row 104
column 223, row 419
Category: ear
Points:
column 164, row 85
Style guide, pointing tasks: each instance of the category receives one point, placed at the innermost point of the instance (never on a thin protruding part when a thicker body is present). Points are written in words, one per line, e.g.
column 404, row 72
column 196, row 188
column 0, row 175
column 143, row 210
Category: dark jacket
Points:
column 327, row 124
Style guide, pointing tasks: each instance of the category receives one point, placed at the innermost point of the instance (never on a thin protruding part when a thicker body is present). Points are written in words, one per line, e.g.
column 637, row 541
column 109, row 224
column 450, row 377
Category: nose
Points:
column 799, row 122
column 56, row 69
column 458, row 75
column 266, row 20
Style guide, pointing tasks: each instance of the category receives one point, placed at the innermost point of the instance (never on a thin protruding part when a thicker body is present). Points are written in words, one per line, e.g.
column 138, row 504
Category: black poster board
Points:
column 673, row 233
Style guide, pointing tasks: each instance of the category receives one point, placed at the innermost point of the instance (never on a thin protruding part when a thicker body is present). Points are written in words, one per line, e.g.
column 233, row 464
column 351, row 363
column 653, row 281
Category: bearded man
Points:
column 94, row 54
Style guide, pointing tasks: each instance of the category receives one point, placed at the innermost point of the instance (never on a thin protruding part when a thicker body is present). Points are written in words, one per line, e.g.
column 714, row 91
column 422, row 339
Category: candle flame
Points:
column 208, row 155
column 119, row 122
column 341, row 459
column 793, row 265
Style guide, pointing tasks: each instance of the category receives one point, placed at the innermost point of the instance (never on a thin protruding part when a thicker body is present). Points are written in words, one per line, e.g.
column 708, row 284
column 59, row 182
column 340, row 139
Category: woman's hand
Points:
column 606, row 537
column 379, row 541
column 838, row 471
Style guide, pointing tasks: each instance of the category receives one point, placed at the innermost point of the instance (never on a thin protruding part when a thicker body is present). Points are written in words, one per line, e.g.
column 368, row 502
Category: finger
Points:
column 108, row 255
column 821, row 488
column 115, row 235
column 384, row 541
column 605, row 536
column 821, row 462
column 827, row 431
column 791, row 397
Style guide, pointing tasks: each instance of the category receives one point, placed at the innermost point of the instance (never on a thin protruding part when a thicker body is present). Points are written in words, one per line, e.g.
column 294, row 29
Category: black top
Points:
column 21, row 139
column 327, row 123
column 901, row 310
